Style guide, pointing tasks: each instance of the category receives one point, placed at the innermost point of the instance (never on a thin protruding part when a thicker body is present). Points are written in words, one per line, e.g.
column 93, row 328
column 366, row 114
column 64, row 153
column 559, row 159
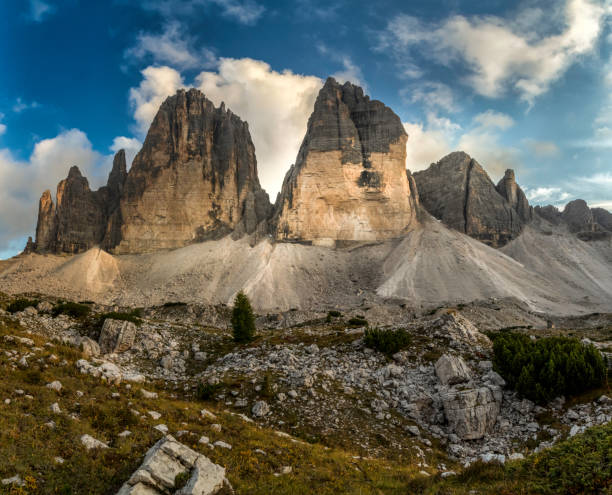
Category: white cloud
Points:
column 425, row 146
column 158, row 83
column 434, row 95
column 39, row 10
column 350, row 73
column 500, row 55
column 173, row 47
column 542, row 149
column 130, row 145
column 494, row 120
column 22, row 182
column 2, row 126
column 600, row 179
column 246, row 12
column 21, row 105
column 547, row 195
column 485, row 147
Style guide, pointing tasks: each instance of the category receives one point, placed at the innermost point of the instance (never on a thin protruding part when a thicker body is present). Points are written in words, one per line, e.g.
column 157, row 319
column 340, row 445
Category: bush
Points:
column 358, row 321
column 243, row 319
column 133, row 316
column 547, row 368
column 386, row 341
column 75, row 310
column 206, row 391
column 21, row 304
column 332, row 314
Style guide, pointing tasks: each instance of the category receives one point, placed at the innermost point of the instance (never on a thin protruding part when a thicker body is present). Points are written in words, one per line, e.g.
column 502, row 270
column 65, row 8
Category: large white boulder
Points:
column 452, row 370
column 470, row 413
column 164, row 462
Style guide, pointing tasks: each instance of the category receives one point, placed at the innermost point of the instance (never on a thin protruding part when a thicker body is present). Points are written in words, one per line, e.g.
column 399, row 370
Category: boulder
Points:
column 165, row 461
column 90, row 443
column 452, row 370
column 349, row 182
column 116, row 336
column 89, row 347
column 470, row 413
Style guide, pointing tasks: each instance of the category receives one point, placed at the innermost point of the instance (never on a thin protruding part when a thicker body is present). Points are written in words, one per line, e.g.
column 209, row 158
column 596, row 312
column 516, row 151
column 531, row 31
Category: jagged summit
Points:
column 458, row 191
column 195, row 178
column 349, row 182
column 589, row 224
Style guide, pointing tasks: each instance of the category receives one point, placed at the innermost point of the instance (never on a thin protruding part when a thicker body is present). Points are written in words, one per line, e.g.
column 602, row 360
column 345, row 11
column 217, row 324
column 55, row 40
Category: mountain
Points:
column 349, row 182
column 458, row 191
column 588, row 224
column 195, row 178
column 79, row 219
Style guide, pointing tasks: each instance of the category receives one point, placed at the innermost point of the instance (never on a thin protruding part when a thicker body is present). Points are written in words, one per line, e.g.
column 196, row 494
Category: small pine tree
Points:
column 243, row 320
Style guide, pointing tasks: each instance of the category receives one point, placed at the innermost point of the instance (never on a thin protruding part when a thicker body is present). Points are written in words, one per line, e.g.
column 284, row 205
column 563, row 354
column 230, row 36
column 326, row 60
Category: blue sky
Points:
column 526, row 84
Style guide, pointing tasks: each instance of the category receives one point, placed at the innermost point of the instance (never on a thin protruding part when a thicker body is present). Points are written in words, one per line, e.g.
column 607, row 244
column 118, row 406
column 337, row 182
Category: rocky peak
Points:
column 458, row 191
column 515, row 196
column 79, row 218
column 194, row 179
column 603, row 217
column 349, row 182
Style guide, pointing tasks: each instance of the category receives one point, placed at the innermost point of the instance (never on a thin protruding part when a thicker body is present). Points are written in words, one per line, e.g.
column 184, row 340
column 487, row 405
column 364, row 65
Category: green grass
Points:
column 76, row 310
column 21, row 304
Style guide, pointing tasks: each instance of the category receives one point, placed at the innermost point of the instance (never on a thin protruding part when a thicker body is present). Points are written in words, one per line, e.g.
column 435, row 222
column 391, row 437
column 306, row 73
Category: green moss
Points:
column 386, row 341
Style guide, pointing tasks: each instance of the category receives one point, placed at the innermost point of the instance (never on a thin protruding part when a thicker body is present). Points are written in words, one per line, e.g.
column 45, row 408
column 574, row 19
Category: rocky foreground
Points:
column 436, row 406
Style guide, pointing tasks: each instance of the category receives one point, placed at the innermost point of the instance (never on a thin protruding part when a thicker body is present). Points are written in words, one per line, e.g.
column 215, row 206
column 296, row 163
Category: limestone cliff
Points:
column 349, row 182
column 458, row 191
column 194, row 179
column 78, row 220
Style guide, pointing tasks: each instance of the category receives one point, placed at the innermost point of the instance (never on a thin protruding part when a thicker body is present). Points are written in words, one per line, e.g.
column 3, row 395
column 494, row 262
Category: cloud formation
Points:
column 172, row 46
column 501, row 55
column 39, row 10
column 246, row 12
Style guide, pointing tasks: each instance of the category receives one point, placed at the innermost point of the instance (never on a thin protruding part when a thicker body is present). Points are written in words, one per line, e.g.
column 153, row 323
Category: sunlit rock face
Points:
column 349, row 182
column 194, row 179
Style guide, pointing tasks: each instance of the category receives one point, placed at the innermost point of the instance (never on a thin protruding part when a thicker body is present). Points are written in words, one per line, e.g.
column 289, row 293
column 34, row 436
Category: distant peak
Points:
column 74, row 172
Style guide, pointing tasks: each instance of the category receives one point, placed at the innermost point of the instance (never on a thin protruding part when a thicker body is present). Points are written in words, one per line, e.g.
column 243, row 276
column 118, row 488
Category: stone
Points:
column 91, row 443
column 470, row 413
column 161, row 428
column 195, row 178
column 495, row 378
column 55, row 385
column 216, row 427
column 44, row 307
column 154, row 414
column 14, row 480
column 451, row 370
column 458, row 191
column 89, row 347
column 205, row 413
column 116, row 336
column 349, row 182
column 55, row 408
column 222, row 444
column 260, row 409
column 165, row 461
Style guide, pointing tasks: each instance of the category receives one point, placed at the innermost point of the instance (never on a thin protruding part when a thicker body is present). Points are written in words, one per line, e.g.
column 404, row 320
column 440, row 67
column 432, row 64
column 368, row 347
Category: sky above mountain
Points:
column 524, row 85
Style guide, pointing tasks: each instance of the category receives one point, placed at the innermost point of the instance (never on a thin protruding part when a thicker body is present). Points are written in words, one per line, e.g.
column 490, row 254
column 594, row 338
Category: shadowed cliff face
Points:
column 194, row 179
column 589, row 224
column 459, row 192
column 79, row 219
column 349, row 182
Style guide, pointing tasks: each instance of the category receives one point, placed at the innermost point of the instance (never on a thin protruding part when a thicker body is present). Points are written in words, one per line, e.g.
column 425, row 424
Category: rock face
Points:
column 165, row 461
column 116, row 336
column 349, row 182
column 459, row 192
column 79, row 219
column 603, row 218
column 452, row 370
column 470, row 413
column 194, row 179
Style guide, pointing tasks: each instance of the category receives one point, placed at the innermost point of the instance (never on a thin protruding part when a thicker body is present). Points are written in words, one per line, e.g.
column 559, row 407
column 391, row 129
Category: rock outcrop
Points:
column 349, row 182
column 78, row 220
column 589, row 224
column 470, row 413
column 458, row 191
column 116, row 336
column 168, row 459
column 194, row 179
